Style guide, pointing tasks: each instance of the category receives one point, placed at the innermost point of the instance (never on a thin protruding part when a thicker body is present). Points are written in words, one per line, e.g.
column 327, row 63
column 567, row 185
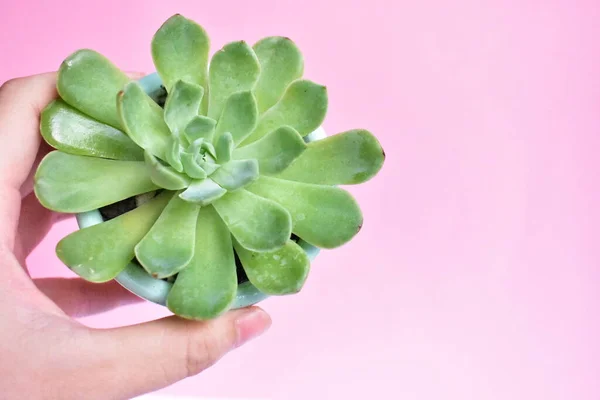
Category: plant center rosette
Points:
column 220, row 170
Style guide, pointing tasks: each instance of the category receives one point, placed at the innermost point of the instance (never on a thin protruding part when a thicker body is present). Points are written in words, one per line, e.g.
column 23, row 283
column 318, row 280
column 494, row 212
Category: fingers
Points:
column 78, row 298
column 21, row 101
column 149, row 356
column 27, row 185
column 34, row 223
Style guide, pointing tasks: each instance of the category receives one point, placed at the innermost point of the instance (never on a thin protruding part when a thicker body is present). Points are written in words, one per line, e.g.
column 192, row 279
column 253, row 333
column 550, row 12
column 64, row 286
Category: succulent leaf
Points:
column 191, row 166
column 100, row 252
column 232, row 69
column 200, row 127
column 224, row 148
column 180, row 52
column 173, row 155
column 274, row 151
column 203, row 192
column 281, row 63
column 89, row 82
column 324, row 216
column 199, row 159
column 208, row 166
column 143, row 120
column 236, row 174
column 239, row 116
column 278, row 272
column 67, row 129
column 347, row 158
column 196, row 146
column 164, row 176
column 207, row 287
column 182, row 105
column 71, row 184
column 169, row 245
column 257, row 223
column 303, row 107
column 209, row 151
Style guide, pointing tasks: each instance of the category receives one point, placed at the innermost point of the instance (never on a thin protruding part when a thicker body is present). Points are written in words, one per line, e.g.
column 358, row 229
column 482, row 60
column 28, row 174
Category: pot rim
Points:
column 135, row 279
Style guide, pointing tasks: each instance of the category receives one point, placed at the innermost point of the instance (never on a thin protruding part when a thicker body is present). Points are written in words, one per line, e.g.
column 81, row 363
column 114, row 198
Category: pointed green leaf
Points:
column 239, row 116
column 191, row 167
column 348, row 158
column 303, row 107
column 281, row 63
column 207, row 287
column 232, row 69
column 67, row 129
column 100, row 252
column 143, row 120
column 274, row 151
column 180, row 52
column 71, row 184
column 201, row 147
column 203, row 192
column 164, row 176
column 257, row 223
column 224, row 147
column 208, row 166
column 324, row 216
column 196, row 146
column 278, row 272
column 173, row 155
column 236, row 174
column 198, row 159
column 183, row 104
column 169, row 245
column 203, row 153
column 89, row 82
column 200, row 127
column 210, row 153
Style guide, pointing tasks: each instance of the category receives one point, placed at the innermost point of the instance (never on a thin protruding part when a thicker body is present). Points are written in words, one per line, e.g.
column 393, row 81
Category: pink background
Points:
column 476, row 274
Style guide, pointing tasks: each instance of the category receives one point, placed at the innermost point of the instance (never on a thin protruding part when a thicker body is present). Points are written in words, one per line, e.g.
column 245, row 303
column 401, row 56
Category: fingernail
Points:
column 252, row 323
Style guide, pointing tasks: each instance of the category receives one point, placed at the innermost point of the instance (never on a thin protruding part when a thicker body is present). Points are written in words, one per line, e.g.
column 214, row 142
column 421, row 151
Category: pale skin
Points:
column 44, row 352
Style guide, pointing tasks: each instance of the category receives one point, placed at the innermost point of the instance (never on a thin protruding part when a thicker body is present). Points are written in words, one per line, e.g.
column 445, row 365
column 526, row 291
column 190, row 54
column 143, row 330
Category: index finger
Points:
column 21, row 101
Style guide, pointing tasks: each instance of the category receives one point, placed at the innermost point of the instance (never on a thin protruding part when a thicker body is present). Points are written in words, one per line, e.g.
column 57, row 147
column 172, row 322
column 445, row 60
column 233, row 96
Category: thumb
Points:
column 149, row 356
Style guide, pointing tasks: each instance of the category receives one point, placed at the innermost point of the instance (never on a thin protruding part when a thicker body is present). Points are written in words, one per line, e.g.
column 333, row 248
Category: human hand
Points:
column 44, row 353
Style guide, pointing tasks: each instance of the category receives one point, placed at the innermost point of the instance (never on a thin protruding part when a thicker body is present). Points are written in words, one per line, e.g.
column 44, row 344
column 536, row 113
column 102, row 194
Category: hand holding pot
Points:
column 44, row 353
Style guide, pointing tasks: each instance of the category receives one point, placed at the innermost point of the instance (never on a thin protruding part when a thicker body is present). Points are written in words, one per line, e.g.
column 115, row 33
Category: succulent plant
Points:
column 220, row 172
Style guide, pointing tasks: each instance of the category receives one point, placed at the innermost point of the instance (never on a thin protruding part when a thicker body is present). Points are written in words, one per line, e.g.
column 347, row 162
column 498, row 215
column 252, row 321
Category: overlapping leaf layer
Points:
column 227, row 155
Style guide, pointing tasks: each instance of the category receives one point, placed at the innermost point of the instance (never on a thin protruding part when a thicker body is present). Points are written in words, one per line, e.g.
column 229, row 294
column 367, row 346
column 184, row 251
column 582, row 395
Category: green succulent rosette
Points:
column 224, row 161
